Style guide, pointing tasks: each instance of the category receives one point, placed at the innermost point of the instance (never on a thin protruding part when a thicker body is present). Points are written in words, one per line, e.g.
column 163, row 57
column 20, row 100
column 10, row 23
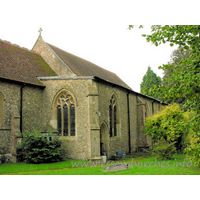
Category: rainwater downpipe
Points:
column 129, row 128
column 21, row 105
column 137, row 149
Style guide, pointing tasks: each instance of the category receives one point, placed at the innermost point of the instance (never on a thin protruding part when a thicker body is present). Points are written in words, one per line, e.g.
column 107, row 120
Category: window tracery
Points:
column 66, row 114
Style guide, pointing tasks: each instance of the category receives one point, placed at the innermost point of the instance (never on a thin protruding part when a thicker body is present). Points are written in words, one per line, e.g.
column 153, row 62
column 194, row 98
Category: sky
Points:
column 94, row 30
column 97, row 33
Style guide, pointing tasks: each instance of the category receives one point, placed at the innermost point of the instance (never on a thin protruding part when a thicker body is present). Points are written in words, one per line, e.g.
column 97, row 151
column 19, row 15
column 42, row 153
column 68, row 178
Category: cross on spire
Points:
column 40, row 31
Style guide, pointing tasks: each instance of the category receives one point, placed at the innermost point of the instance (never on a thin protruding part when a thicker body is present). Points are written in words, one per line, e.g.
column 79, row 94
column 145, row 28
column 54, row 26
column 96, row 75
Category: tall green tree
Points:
column 186, row 76
column 187, row 73
column 149, row 80
column 176, row 57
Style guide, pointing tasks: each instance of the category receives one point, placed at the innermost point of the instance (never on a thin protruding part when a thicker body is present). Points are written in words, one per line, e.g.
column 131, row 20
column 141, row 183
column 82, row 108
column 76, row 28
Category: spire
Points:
column 40, row 31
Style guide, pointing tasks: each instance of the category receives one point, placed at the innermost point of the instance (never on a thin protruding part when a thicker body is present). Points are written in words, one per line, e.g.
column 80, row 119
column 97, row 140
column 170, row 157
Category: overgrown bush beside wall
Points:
column 193, row 139
column 37, row 149
column 193, row 148
column 163, row 149
column 168, row 124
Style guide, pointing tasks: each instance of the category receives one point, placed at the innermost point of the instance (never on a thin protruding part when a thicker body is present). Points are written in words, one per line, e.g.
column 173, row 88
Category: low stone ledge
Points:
column 97, row 159
column 9, row 158
column 116, row 168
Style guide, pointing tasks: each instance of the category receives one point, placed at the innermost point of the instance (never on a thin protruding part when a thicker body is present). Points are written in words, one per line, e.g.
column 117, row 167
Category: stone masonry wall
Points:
column 77, row 147
column 120, row 142
column 145, row 107
column 133, row 122
column 31, row 115
column 54, row 62
column 91, row 97
column 140, row 107
column 11, row 94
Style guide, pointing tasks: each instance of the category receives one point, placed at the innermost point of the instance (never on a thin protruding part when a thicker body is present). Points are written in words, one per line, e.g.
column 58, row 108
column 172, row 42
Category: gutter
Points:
column 20, row 82
column 137, row 125
column 129, row 89
column 65, row 78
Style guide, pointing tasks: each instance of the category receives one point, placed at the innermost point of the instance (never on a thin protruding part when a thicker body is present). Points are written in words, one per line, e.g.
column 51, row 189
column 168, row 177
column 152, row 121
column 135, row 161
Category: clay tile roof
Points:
column 83, row 67
column 22, row 65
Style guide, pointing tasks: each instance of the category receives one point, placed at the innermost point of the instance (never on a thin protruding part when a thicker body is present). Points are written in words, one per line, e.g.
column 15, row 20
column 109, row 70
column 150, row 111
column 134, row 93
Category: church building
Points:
column 92, row 110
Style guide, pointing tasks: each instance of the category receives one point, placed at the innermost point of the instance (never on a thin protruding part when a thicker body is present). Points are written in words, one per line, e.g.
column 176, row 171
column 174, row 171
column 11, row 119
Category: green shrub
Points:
column 163, row 149
column 168, row 124
column 37, row 149
column 193, row 140
column 20, row 154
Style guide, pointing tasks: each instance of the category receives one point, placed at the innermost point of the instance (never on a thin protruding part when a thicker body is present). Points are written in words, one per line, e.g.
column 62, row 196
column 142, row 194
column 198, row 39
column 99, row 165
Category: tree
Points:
column 176, row 57
column 186, row 75
column 149, row 80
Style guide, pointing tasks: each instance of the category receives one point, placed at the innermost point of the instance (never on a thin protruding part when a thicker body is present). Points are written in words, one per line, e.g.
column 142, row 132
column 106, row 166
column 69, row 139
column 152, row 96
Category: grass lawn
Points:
column 147, row 166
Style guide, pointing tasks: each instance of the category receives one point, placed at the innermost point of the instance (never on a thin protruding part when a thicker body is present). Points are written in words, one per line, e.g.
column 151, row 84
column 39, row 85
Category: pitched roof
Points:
column 83, row 67
column 22, row 65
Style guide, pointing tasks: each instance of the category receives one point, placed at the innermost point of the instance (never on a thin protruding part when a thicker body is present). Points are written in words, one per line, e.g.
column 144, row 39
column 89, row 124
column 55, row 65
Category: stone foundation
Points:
column 7, row 158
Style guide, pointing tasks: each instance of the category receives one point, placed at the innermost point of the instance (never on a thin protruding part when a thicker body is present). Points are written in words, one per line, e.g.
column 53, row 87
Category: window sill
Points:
column 67, row 138
column 115, row 138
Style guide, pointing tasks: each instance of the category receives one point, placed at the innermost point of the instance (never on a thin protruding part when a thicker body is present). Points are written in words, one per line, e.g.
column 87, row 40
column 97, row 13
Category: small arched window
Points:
column 113, row 116
column 65, row 109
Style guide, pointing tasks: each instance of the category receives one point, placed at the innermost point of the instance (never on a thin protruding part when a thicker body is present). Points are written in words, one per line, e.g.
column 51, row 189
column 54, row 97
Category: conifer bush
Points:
column 37, row 149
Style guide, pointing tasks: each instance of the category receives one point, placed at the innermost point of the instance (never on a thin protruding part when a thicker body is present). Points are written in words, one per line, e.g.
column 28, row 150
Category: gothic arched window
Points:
column 65, row 109
column 113, row 116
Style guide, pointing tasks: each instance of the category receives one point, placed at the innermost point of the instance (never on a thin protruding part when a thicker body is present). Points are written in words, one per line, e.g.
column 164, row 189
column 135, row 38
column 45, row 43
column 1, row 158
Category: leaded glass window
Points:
column 66, row 114
column 59, row 119
column 115, row 120
column 110, row 117
column 66, row 121
column 72, row 119
column 113, row 116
